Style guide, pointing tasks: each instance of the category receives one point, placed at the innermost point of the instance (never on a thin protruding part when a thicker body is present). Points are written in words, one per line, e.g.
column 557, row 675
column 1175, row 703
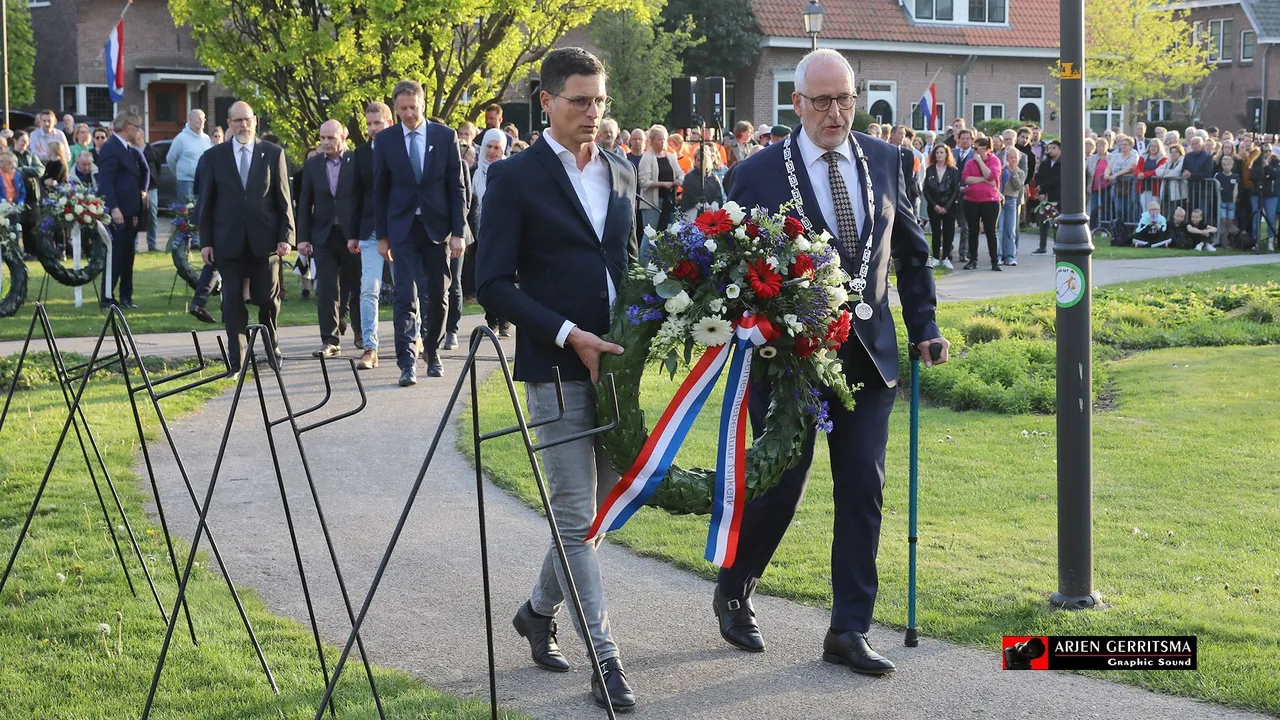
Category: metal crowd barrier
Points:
column 1114, row 211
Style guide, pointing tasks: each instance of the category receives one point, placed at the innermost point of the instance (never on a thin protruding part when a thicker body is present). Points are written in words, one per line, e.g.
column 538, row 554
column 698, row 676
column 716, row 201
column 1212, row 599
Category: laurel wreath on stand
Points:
column 72, row 209
column 11, row 256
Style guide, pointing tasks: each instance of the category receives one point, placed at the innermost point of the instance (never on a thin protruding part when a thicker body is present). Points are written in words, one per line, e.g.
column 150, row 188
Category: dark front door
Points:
column 167, row 110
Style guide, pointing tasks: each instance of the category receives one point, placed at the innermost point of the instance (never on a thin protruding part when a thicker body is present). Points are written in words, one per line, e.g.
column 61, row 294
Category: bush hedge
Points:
column 1003, row 351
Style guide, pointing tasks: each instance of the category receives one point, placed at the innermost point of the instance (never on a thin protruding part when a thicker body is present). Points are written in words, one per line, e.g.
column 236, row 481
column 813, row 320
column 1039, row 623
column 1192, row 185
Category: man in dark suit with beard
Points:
column 853, row 186
column 325, row 196
column 246, row 226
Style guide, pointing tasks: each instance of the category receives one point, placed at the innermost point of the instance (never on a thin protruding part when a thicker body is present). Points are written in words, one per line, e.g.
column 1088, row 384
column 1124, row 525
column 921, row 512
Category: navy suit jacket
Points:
column 121, row 178
column 397, row 195
column 533, row 227
column 896, row 235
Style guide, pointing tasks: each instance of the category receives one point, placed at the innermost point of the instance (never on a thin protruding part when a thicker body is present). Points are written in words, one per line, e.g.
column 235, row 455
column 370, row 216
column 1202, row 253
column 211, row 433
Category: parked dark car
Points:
column 168, row 185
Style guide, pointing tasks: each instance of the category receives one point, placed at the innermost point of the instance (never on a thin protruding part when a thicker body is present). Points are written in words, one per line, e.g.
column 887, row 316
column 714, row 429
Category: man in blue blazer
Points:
column 419, row 212
column 123, row 176
column 565, row 229
column 825, row 166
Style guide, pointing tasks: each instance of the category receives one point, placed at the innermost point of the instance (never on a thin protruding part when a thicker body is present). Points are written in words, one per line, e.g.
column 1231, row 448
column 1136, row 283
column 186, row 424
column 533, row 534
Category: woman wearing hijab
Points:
column 493, row 146
column 701, row 188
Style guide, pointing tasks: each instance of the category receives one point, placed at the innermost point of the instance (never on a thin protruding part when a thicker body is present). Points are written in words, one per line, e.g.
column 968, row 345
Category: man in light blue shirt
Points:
column 185, row 151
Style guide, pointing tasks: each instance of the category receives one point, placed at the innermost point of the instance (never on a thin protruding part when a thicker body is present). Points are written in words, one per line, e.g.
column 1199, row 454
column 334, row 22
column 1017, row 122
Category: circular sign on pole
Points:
column 1068, row 284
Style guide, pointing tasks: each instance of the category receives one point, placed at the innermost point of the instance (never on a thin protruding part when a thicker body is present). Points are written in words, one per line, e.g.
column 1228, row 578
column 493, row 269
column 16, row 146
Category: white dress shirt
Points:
column 820, row 180
column 421, row 132
column 592, row 185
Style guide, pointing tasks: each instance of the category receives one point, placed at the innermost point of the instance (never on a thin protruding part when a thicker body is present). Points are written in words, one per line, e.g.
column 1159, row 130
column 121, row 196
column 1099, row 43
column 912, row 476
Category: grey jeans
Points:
column 579, row 478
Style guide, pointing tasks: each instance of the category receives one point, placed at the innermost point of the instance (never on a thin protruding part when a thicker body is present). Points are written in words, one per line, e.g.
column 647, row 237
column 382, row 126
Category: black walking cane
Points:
column 935, row 354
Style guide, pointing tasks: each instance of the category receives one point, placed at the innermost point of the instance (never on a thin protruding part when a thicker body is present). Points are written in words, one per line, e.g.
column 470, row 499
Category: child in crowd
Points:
column 1229, row 180
column 1178, row 230
column 1201, row 232
column 1153, row 228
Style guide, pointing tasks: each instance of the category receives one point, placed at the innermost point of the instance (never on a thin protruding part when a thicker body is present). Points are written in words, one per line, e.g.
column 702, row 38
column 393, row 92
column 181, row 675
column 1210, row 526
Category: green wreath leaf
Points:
column 11, row 255
column 52, row 263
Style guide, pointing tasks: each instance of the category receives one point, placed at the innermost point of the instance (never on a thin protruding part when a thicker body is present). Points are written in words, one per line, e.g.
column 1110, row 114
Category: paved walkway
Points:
column 428, row 618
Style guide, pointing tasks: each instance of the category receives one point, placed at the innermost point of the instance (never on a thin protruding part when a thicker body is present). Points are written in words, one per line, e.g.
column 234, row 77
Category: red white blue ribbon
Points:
column 650, row 467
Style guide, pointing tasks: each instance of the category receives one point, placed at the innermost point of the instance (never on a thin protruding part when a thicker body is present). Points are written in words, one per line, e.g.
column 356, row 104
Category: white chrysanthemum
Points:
column 711, row 331
column 716, row 305
column 736, row 213
column 679, row 303
column 732, row 292
column 649, row 232
column 710, row 244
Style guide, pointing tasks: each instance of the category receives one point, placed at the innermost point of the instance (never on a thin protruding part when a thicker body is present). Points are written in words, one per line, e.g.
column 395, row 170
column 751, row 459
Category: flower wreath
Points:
column 72, row 208
column 11, row 255
column 706, row 282
column 184, row 232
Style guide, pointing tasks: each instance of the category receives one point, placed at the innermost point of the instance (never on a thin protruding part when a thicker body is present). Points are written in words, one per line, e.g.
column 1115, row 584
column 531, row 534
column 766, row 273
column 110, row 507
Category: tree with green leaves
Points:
column 302, row 63
column 22, row 55
column 728, row 30
column 1141, row 51
column 641, row 58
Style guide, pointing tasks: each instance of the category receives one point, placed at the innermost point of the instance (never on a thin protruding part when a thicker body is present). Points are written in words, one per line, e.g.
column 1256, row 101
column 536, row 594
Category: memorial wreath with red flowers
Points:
column 758, row 282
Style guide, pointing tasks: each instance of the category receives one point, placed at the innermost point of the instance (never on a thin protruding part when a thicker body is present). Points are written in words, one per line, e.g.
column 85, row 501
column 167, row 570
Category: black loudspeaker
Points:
column 713, row 100
column 684, row 101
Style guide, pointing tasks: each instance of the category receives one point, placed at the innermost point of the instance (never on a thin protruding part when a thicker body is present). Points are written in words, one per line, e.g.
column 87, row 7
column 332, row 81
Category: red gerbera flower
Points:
column 792, row 226
column 838, row 329
column 764, row 280
column 802, row 267
column 686, row 270
column 807, row 345
column 714, row 223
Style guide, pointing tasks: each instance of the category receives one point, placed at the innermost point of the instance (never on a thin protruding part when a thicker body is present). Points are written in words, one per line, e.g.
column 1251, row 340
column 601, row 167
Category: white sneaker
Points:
column 1140, row 243
column 946, row 263
column 1012, row 263
column 933, row 262
column 1199, row 247
column 1210, row 247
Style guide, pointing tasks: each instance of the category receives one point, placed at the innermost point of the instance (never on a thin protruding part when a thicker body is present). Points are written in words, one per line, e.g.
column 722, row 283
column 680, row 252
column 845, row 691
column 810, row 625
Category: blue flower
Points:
column 633, row 314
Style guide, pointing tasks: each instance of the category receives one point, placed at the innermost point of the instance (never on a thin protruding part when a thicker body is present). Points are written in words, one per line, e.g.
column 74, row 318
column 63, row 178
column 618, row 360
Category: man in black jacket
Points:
column 246, row 226
column 326, row 190
column 1049, row 180
column 377, row 117
column 566, row 230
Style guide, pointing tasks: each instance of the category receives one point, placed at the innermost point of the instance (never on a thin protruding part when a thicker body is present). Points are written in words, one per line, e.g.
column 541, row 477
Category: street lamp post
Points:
column 813, row 15
column 1073, row 248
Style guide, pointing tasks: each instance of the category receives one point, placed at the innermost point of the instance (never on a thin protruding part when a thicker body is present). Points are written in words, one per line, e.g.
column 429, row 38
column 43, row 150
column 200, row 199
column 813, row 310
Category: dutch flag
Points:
column 114, row 51
column 929, row 107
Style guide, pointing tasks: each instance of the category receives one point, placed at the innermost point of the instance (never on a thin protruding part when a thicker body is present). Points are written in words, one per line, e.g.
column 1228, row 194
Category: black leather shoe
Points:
column 408, row 377
column 852, row 649
column 541, row 633
column 996, row 267
column 202, row 315
column 434, row 367
column 621, row 696
column 450, row 341
column 738, row 623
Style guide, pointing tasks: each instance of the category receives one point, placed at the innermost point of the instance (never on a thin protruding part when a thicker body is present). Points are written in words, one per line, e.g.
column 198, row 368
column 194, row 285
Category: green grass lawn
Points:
column 1107, row 252
column 153, row 275
column 55, row 664
column 1186, row 522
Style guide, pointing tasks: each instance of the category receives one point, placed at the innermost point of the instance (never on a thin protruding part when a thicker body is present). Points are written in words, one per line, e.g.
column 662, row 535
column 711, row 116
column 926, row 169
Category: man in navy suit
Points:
column 419, row 212
column 123, row 176
column 566, row 230
column 824, row 162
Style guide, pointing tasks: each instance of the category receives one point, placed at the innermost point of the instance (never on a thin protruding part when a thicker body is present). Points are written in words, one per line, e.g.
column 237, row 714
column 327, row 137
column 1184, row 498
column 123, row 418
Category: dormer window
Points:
column 987, row 11
column 971, row 12
column 942, row 10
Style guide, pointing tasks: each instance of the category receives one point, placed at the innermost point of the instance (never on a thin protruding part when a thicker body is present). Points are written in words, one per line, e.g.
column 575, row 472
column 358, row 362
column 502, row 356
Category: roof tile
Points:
column 1033, row 23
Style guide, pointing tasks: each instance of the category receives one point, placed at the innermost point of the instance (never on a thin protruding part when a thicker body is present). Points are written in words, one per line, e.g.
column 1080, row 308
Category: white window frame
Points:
column 935, row 18
column 38, row 3
column 959, row 14
column 82, row 104
column 983, row 23
column 780, row 103
column 1215, row 52
column 986, row 112
column 1039, row 103
column 1115, row 115
column 942, row 119
column 1254, row 45
column 1166, row 111
column 893, row 97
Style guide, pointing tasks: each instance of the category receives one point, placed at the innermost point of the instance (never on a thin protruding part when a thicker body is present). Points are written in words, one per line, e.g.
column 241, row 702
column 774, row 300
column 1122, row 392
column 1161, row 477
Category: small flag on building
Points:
column 114, row 52
column 929, row 107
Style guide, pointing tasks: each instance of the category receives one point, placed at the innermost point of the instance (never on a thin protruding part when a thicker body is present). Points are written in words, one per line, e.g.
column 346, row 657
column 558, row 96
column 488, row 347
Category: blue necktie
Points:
column 415, row 156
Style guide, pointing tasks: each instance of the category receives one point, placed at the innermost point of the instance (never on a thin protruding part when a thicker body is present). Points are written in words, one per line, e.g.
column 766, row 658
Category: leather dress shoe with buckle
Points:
column 738, row 623
column 327, row 351
column 408, row 377
column 851, row 648
column 540, row 631
column 450, row 341
column 621, row 696
column 435, row 368
column 202, row 315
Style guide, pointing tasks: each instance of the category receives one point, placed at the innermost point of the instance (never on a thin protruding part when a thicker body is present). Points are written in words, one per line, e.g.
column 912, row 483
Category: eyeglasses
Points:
column 822, row 103
column 582, row 104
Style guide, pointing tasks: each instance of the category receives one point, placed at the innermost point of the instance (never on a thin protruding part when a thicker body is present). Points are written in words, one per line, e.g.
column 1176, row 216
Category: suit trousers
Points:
column 579, row 477
column 455, row 294
column 337, row 277
column 421, row 272
column 263, row 276
column 124, row 242
column 856, row 445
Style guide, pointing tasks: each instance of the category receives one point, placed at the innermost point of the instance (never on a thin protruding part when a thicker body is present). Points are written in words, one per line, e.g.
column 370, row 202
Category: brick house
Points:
column 1244, row 88
column 995, row 54
column 163, row 79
